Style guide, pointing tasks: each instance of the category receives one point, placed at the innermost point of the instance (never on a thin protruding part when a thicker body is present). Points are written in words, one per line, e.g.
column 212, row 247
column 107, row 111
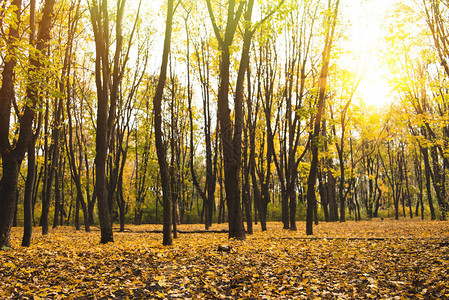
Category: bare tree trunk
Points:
column 160, row 145
column 311, row 181
column 246, row 191
column 231, row 144
column 31, row 171
column 27, row 200
column 100, row 22
column 428, row 173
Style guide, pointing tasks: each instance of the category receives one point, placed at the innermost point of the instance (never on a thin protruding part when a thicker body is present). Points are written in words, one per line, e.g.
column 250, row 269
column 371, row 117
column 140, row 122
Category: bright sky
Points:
column 365, row 46
column 366, row 18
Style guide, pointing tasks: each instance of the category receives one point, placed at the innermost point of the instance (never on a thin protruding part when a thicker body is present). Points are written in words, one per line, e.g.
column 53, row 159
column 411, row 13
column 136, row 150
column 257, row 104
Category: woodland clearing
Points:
column 381, row 259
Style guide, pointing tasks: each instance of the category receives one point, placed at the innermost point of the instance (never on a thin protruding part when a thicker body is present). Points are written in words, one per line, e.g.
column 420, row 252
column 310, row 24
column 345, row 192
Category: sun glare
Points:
column 365, row 49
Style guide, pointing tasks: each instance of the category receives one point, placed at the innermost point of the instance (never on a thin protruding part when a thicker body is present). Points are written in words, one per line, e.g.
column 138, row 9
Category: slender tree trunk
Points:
column 259, row 212
column 311, row 181
column 292, row 207
column 61, row 180
column 58, row 205
column 31, row 172
column 231, row 142
column 106, row 104
column 45, row 204
column 54, row 161
column 8, row 188
column 428, row 173
column 77, row 214
column 29, row 188
column 322, row 188
column 100, row 161
column 246, row 187
column 36, row 185
column 121, row 203
column 74, row 168
column 160, row 146
column 27, row 201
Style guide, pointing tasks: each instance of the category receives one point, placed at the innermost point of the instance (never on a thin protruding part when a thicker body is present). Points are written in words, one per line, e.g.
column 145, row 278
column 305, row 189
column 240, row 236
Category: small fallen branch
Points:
column 185, row 231
column 444, row 240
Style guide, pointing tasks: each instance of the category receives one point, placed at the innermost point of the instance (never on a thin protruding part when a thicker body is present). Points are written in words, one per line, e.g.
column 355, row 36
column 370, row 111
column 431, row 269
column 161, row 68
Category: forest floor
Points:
column 353, row 260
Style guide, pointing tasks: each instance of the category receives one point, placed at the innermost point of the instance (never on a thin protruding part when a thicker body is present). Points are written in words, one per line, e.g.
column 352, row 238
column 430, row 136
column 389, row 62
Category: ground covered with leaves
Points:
column 373, row 259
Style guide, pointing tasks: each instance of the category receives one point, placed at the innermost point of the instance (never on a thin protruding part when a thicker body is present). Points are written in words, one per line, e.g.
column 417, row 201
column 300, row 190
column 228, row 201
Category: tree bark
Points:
column 100, row 22
column 231, row 143
column 31, row 171
column 12, row 156
column 27, row 200
column 160, row 145
column 311, row 180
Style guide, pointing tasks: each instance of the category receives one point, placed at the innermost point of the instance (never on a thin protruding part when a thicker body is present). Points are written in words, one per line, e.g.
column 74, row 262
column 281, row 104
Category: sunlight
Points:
column 374, row 88
column 366, row 49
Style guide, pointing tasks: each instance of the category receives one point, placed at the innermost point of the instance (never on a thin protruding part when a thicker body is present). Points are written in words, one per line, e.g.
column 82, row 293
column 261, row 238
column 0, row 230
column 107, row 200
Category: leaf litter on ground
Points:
column 370, row 259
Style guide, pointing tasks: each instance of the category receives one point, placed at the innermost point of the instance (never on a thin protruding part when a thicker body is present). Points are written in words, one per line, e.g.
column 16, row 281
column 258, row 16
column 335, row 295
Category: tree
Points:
column 31, row 172
column 144, row 152
column 266, row 65
column 230, row 138
column 331, row 22
column 231, row 134
column 56, row 127
column 13, row 153
column 420, row 72
column 347, row 92
column 108, row 78
column 160, row 145
column 119, row 143
column 74, row 133
column 203, row 58
column 100, row 22
column 299, row 30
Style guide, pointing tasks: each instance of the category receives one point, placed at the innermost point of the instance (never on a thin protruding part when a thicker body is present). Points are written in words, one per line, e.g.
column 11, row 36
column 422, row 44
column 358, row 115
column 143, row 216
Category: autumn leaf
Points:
column 370, row 259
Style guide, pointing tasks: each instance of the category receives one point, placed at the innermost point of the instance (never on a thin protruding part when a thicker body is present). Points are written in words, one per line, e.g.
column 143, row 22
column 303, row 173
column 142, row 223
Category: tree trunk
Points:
column 160, row 146
column 101, row 179
column 231, row 145
column 58, row 204
column 246, row 187
column 27, row 200
column 428, row 173
column 292, row 207
column 322, row 83
column 322, row 188
column 106, row 99
column 8, row 188
column 12, row 157
column 259, row 211
column 31, row 171
column 29, row 188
